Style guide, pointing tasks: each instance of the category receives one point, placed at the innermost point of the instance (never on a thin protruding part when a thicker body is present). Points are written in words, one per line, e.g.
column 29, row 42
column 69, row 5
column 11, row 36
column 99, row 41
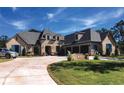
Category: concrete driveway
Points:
column 27, row 71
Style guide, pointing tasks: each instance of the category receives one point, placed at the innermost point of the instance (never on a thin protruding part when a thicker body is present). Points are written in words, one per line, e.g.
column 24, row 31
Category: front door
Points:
column 48, row 50
column 108, row 49
column 36, row 51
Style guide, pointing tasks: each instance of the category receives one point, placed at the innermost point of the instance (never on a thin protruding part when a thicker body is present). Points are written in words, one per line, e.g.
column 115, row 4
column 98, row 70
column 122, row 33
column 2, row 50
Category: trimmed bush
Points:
column 96, row 57
column 86, row 56
column 69, row 57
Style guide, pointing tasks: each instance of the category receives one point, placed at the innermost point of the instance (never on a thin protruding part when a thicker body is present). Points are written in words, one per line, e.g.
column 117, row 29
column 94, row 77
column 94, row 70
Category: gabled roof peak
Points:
column 33, row 30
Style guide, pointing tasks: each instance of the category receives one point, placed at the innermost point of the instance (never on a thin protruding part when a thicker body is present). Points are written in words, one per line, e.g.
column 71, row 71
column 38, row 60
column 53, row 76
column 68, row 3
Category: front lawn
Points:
column 119, row 57
column 4, row 60
column 88, row 72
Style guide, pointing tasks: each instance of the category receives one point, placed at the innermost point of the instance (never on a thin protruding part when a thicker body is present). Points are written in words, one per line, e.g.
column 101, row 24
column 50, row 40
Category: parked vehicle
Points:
column 7, row 53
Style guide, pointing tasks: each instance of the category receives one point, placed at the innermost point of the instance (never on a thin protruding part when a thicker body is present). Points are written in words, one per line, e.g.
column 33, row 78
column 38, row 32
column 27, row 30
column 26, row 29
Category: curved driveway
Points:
column 27, row 71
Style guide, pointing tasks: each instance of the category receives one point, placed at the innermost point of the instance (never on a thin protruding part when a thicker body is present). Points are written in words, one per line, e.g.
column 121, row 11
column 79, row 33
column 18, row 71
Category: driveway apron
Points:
column 28, row 71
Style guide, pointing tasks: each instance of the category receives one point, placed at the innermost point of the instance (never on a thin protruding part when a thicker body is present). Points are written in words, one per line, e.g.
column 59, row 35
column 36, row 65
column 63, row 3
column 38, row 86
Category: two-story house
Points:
column 89, row 41
column 36, row 42
column 50, row 43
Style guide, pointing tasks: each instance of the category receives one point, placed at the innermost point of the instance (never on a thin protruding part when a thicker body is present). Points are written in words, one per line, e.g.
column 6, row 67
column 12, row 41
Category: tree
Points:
column 103, row 30
column 118, row 30
column 3, row 40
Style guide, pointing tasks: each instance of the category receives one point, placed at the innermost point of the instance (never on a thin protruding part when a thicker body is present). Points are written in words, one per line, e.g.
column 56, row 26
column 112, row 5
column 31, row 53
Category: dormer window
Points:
column 44, row 36
column 48, row 37
column 58, row 38
column 54, row 37
column 76, row 37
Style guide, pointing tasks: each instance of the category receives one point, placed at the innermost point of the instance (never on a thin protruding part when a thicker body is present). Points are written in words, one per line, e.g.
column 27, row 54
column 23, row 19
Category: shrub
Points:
column 29, row 54
column 69, row 58
column 112, row 55
column 86, row 56
column 96, row 57
column 116, row 52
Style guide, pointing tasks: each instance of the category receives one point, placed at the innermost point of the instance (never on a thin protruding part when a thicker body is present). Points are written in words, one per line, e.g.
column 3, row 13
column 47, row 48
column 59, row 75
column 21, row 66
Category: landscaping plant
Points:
column 69, row 57
column 96, row 57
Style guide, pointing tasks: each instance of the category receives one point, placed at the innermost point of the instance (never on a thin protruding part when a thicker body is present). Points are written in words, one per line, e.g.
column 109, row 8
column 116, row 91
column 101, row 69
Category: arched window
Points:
column 48, row 37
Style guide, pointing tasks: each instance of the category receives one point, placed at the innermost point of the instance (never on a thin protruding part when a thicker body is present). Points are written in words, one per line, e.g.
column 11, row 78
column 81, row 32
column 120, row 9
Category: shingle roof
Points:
column 103, row 35
column 88, row 36
column 47, row 31
column 30, row 37
column 69, row 38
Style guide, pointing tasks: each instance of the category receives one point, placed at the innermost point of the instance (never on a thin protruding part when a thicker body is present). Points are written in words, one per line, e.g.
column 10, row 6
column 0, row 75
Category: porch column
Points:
column 42, row 50
column 64, row 50
column 79, row 49
column 89, row 50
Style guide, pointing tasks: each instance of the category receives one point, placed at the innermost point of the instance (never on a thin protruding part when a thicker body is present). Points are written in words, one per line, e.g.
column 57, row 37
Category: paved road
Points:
column 24, row 71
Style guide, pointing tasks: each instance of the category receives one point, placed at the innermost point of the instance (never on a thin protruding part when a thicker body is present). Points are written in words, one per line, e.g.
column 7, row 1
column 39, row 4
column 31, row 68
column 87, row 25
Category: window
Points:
column 57, row 38
column 44, row 36
column 95, row 47
column 5, row 49
column 48, row 37
column 76, row 37
column 54, row 37
column 109, row 47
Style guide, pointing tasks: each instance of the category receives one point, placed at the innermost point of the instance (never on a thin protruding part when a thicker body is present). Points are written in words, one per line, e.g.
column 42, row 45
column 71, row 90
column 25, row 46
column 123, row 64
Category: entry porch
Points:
column 90, row 48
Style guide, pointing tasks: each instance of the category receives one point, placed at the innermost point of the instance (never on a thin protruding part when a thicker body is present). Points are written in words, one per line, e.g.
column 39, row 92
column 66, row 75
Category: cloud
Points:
column 21, row 25
column 92, row 21
column 72, row 29
column 51, row 16
column 89, row 21
column 18, row 24
column 118, row 13
column 14, row 9
column 68, row 30
column 99, row 17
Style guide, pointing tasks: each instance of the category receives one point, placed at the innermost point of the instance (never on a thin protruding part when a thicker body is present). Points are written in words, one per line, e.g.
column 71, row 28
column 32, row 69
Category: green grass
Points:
column 119, row 57
column 88, row 72
column 4, row 60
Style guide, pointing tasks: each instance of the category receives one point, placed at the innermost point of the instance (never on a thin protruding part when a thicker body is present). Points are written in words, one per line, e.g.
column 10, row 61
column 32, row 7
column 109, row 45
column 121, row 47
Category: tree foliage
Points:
column 103, row 30
column 118, row 30
column 3, row 40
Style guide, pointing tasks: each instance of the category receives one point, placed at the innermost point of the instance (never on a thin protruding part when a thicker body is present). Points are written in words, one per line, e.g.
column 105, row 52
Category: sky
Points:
column 62, row 20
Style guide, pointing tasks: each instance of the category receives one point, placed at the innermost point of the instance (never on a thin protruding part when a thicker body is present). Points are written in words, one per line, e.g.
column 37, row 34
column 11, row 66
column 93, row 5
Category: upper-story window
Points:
column 58, row 38
column 76, row 37
column 48, row 37
column 44, row 36
column 54, row 37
